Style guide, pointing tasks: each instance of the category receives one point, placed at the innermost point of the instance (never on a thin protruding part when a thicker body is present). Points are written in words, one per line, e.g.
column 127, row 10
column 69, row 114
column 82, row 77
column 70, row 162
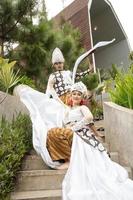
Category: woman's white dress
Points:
column 91, row 174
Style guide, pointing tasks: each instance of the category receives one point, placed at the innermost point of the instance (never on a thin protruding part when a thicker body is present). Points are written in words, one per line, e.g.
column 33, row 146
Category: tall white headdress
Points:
column 57, row 56
column 80, row 87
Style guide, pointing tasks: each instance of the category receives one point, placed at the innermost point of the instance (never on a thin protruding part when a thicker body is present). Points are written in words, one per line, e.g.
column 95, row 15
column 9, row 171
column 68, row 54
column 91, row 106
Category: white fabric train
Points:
column 91, row 174
column 45, row 113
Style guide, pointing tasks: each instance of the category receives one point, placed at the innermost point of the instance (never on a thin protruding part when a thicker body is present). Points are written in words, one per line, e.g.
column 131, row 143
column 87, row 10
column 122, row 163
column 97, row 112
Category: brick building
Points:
column 97, row 21
column 77, row 13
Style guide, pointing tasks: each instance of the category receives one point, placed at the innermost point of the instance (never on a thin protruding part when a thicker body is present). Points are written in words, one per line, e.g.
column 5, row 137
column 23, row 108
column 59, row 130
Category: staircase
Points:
column 37, row 181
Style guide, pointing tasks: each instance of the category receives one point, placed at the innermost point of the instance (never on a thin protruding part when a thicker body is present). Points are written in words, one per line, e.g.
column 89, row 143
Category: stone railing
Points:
column 118, row 122
column 11, row 106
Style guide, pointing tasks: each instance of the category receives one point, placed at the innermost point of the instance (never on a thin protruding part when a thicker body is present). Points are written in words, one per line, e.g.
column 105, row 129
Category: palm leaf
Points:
column 8, row 78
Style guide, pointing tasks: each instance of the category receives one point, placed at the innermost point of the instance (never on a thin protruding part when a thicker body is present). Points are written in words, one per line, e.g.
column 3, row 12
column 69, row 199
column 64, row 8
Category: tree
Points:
column 37, row 41
column 13, row 13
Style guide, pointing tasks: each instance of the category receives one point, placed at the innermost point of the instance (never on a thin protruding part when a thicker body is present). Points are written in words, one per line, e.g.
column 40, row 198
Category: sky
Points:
column 123, row 9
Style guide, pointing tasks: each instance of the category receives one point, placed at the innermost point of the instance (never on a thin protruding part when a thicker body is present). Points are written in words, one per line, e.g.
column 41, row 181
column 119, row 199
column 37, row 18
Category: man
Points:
column 59, row 82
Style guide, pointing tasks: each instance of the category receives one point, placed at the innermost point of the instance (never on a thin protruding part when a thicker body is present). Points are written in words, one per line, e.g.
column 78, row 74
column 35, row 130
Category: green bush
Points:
column 96, row 109
column 122, row 94
column 27, row 81
column 8, row 78
column 15, row 141
column 114, row 71
column 91, row 81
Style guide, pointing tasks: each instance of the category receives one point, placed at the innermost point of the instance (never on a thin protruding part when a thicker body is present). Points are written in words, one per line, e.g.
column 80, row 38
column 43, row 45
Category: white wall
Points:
column 118, row 122
column 11, row 107
column 116, row 54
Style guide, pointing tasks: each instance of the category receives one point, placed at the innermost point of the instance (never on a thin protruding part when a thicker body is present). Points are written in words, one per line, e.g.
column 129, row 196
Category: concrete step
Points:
column 33, row 162
column 114, row 156
column 39, row 180
column 46, row 194
column 37, row 195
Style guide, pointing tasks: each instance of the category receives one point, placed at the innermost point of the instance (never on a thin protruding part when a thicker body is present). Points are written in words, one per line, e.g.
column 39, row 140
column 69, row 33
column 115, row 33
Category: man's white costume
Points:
column 91, row 174
column 60, row 82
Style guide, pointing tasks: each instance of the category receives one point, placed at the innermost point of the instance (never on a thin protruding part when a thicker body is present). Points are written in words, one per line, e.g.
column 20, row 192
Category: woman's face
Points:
column 58, row 66
column 76, row 97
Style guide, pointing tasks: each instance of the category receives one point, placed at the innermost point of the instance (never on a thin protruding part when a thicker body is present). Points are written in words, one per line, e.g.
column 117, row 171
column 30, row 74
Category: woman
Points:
column 46, row 114
column 77, row 119
column 91, row 174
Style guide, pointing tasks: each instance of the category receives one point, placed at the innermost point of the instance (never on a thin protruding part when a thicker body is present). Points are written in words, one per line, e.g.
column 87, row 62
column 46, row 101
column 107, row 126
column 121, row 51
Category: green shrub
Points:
column 15, row 141
column 91, row 81
column 27, row 81
column 122, row 94
column 114, row 71
column 8, row 78
column 96, row 109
